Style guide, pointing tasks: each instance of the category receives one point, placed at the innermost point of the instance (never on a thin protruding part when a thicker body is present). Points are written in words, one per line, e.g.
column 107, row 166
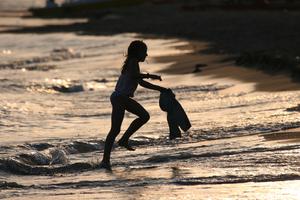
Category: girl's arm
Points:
column 151, row 76
column 151, row 86
column 135, row 71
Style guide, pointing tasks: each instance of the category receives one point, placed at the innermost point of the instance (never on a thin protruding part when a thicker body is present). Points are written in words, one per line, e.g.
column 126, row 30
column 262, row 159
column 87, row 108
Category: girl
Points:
column 121, row 99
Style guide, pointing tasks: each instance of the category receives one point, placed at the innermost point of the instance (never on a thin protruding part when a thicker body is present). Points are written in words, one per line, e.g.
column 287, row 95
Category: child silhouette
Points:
column 121, row 99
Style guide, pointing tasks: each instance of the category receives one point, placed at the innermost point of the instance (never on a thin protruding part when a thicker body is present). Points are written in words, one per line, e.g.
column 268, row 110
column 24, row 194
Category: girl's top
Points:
column 128, row 82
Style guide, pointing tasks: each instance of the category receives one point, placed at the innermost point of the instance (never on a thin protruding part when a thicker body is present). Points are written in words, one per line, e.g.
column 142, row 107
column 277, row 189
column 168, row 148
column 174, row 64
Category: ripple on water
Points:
column 34, row 63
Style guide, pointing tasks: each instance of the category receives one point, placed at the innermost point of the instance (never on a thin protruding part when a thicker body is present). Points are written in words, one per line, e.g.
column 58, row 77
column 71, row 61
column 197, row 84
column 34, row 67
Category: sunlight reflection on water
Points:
column 38, row 109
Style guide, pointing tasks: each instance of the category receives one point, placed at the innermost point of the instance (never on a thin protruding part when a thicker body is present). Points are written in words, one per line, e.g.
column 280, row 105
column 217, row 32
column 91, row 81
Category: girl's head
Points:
column 137, row 49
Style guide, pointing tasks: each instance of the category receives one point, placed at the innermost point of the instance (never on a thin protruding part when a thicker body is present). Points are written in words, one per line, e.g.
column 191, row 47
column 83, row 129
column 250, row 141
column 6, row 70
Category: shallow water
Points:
column 55, row 114
column 20, row 4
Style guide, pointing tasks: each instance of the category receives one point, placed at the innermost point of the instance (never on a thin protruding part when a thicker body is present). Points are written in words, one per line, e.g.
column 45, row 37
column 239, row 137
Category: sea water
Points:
column 20, row 4
column 55, row 114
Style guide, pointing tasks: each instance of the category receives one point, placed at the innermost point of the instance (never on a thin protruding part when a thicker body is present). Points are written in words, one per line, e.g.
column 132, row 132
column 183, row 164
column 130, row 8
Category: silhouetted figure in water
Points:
column 51, row 4
column 121, row 99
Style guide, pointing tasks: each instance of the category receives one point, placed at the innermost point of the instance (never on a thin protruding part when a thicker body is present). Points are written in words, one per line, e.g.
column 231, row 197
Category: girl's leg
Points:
column 116, row 122
column 143, row 116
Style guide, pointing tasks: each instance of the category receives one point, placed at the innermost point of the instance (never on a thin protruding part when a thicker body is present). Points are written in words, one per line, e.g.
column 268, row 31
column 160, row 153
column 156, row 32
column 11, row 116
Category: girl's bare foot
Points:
column 126, row 145
column 105, row 165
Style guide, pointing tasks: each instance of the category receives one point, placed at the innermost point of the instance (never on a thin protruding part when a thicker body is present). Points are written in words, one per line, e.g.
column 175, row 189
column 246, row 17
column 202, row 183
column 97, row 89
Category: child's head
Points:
column 137, row 49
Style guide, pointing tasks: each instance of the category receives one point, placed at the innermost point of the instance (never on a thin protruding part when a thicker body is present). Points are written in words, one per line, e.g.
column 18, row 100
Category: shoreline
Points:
column 242, row 35
column 213, row 65
column 217, row 67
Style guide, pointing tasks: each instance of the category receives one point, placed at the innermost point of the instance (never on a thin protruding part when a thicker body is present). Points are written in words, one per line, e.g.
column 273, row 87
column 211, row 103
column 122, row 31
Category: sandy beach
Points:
column 56, row 77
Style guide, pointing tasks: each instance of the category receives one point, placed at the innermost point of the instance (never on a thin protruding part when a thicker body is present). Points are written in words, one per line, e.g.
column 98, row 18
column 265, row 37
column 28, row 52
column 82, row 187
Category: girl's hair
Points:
column 133, row 52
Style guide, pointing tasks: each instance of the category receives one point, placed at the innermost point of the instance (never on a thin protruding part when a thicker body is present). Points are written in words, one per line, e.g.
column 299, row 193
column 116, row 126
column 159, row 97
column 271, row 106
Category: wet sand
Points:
column 289, row 136
column 217, row 67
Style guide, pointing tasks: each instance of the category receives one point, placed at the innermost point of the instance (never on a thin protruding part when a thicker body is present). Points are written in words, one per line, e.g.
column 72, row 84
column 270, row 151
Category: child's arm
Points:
column 140, row 78
column 151, row 86
column 151, row 76
column 135, row 70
